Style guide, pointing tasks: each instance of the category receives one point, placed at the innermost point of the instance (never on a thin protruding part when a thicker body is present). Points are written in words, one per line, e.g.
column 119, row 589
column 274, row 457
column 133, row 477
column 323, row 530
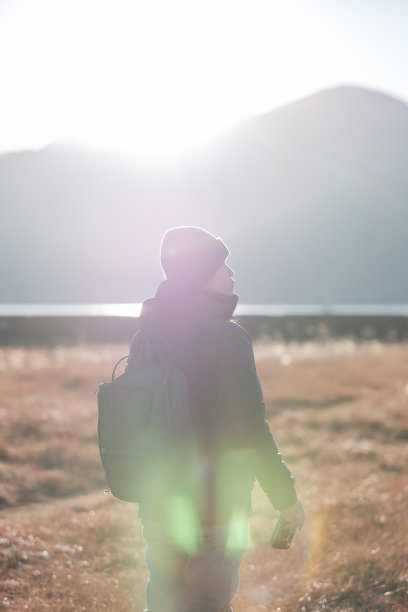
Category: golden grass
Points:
column 338, row 411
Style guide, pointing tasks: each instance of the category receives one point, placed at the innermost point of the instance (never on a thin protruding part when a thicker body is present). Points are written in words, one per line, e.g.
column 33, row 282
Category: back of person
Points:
column 196, row 537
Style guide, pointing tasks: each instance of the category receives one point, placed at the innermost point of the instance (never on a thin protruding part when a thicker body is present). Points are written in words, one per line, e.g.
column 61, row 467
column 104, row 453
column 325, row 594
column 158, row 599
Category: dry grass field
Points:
column 339, row 413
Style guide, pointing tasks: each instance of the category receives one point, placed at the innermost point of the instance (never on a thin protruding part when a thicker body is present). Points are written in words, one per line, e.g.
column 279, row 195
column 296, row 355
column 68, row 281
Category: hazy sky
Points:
column 157, row 76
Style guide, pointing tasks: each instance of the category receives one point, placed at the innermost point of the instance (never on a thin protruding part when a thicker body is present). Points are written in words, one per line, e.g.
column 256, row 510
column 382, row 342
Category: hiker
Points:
column 195, row 546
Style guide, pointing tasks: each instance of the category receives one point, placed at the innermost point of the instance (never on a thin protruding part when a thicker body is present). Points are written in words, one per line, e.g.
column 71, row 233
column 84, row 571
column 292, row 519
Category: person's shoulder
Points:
column 230, row 334
column 232, row 328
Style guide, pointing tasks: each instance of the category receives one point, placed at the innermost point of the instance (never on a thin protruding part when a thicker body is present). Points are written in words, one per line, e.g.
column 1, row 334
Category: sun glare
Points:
column 165, row 86
column 151, row 77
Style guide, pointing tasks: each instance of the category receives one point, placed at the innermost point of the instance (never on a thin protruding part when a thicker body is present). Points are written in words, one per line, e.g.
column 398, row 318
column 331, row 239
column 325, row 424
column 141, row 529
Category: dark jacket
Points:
column 226, row 401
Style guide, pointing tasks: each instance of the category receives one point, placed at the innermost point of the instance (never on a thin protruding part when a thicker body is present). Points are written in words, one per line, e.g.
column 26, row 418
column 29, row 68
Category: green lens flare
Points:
column 184, row 524
column 237, row 539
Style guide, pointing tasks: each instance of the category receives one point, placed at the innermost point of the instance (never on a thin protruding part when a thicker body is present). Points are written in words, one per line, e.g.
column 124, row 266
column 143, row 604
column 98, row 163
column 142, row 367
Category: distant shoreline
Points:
column 245, row 310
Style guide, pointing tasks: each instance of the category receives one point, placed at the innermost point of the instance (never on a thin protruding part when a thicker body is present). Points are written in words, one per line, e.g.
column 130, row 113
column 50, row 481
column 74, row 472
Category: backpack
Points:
column 145, row 431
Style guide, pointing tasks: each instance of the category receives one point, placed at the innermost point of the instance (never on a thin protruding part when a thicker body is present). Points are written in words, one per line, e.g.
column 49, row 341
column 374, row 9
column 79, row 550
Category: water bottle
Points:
column 283, row 534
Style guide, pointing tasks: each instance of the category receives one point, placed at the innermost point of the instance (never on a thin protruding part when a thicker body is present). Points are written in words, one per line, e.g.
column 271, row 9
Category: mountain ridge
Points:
column 310, row 198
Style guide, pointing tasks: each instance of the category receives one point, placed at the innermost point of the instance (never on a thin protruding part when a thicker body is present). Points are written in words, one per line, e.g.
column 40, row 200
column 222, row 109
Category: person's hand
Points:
column 294, row 515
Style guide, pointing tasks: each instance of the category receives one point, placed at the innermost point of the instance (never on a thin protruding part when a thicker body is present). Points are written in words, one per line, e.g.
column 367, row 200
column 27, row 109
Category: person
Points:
column 195, row 544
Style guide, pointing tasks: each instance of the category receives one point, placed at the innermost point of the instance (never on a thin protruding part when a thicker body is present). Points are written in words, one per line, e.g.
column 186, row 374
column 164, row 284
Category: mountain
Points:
column 310, row 198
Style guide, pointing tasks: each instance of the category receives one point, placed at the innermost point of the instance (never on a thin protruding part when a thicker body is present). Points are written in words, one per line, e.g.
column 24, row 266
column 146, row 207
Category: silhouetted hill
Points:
column 311, row 199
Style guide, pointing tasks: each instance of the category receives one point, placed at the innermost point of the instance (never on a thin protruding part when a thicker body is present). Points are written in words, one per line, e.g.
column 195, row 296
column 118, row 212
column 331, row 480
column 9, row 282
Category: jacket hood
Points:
column 176, row 309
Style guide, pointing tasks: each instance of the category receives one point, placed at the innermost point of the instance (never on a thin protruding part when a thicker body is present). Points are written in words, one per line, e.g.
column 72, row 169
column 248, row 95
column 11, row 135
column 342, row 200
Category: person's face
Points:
column 221, row 281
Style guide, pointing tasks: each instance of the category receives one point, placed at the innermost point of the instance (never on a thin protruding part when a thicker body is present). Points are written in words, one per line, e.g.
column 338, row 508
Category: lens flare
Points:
column 184, row 524
column 237, row 539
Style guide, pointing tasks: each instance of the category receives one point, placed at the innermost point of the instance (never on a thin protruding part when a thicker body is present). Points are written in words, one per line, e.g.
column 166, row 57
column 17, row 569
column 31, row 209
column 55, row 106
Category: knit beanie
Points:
column 191, row 255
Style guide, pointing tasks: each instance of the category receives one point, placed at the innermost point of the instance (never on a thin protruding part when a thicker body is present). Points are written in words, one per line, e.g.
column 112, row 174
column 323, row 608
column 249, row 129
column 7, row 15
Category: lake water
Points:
column 133, row 310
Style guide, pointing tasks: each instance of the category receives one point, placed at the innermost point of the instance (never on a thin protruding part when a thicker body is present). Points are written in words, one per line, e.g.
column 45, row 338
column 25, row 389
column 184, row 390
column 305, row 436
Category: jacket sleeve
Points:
column 242, row 414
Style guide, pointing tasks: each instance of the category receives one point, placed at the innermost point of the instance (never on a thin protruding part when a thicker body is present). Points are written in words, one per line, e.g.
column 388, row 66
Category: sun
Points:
column 163, row 88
